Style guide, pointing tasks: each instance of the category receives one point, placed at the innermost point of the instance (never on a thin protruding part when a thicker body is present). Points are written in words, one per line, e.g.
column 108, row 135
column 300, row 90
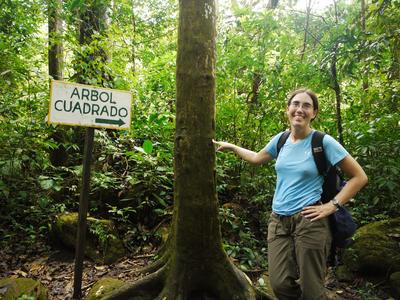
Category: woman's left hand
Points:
column 317, row 212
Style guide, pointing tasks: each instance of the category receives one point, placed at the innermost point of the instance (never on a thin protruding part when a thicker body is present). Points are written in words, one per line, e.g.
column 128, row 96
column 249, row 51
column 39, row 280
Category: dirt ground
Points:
column 54, row 268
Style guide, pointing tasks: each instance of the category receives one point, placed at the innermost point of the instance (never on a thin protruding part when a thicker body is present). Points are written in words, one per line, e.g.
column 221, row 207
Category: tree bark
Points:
column 338, row 95
column 272, row 4
column 303, row 51
column 335, row 83
column 194, row 265
column 394, row 74
column 365, row 83
column 59, row 155
column 55, row 42
column 91, row 63
column 133, row 47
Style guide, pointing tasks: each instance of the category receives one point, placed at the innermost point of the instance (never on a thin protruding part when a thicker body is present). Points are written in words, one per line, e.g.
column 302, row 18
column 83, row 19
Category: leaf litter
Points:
column 55, row 268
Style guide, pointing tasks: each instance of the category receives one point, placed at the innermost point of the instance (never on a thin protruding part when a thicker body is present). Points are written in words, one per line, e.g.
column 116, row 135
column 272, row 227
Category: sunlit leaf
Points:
column 147, row 146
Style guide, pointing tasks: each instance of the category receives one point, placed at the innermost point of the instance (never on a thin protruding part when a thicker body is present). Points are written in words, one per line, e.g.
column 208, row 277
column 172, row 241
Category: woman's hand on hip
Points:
column 319, row 211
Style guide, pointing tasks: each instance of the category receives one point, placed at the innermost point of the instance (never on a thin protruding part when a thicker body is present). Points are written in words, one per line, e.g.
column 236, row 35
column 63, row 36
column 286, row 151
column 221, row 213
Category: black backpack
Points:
column 341, row 222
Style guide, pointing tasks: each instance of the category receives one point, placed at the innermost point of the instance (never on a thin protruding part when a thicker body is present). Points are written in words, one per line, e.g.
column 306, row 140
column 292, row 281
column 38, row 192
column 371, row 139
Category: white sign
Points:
column 89, row 106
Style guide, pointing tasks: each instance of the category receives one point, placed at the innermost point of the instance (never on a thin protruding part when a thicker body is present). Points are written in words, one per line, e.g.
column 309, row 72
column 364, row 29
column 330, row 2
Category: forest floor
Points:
column 55, row 270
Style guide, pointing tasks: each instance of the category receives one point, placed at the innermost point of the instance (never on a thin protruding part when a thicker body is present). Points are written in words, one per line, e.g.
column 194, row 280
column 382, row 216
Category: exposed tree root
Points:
column 164, row 255
column 177, row 280
column 156, row 265
column 146, row 288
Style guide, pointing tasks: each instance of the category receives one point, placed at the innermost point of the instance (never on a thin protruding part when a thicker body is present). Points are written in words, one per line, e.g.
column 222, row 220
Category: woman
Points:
column 299, row 237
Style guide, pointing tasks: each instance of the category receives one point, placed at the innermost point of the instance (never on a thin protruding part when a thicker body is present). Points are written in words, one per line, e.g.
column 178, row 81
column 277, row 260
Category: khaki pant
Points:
column 297, row 253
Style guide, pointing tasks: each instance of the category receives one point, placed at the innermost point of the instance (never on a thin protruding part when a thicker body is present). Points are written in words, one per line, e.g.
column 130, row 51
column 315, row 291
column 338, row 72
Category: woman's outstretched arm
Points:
column 255, row 158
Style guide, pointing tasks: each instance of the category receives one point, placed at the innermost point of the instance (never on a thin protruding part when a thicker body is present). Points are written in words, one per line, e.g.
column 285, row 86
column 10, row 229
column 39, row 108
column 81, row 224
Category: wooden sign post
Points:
column 92, row 107
column 83, row 209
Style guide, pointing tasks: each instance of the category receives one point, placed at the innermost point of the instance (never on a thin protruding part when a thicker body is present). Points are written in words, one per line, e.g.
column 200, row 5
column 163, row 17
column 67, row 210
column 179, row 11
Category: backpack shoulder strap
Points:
column 282, row 140
column 318, row 152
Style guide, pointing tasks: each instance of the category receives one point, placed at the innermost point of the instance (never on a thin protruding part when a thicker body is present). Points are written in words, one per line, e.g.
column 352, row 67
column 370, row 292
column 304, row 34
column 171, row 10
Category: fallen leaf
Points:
column 394, row 235
column 20, row 273
column 100, row 268
column 102, row 273
column 69, row 287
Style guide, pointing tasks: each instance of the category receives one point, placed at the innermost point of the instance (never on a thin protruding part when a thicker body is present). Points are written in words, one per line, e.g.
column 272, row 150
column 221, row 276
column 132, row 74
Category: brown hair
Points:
column 309, row 92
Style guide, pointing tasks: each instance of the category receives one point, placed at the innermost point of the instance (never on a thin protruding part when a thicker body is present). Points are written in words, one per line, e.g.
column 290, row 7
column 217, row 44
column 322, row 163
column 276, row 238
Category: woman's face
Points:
column 301, row 111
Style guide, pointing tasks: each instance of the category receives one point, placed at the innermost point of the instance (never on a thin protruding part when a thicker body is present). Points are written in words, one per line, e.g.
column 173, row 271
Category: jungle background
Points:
column 348, row 52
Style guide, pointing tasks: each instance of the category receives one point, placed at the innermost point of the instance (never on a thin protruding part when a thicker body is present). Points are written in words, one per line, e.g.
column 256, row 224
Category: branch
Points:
column 313, row 15
column 313, row 36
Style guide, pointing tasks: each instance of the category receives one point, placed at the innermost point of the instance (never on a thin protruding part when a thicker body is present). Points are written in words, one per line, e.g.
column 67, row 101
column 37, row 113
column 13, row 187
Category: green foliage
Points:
column 240, row 242
column 26, row 297
column 259, row 60
column 368, row 291
column 381, row 135
column 133, row 184
column 102, row 233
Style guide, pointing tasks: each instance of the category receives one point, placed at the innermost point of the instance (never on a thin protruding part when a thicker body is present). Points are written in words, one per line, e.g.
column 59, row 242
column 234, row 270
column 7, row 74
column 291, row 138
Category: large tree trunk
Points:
column 194, row 264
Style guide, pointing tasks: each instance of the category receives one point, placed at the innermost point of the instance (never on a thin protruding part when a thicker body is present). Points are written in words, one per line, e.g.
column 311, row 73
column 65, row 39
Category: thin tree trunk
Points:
column 394, row 74
column 93, row 24
column 133, row 49
column 363, row 16
column 255, row 88
column 90, row 65
column 257, row 80
column 272, row 4
column 335, row 83
column 58, row 156
column 365, row 83
column 336, row 88
column 306, row 29
column 55, row 39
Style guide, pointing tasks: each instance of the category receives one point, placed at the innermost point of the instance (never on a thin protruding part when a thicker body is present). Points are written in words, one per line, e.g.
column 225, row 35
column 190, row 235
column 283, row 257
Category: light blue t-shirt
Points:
column 298, row 181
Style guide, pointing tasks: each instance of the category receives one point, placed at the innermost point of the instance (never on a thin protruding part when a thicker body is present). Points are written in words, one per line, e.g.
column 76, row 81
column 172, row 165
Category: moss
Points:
column 163, row 233
column 104, row 287
column 375, row 248
column 102, row 243
column 12, row 288
column 103, row 236
column 343, row 274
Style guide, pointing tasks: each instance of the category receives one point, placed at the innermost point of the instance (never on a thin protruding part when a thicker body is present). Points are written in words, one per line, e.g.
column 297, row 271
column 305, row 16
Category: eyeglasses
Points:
column 297, row 104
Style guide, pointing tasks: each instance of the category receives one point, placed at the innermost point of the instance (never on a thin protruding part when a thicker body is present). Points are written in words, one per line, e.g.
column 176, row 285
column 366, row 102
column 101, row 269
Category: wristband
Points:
column 335, row 202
